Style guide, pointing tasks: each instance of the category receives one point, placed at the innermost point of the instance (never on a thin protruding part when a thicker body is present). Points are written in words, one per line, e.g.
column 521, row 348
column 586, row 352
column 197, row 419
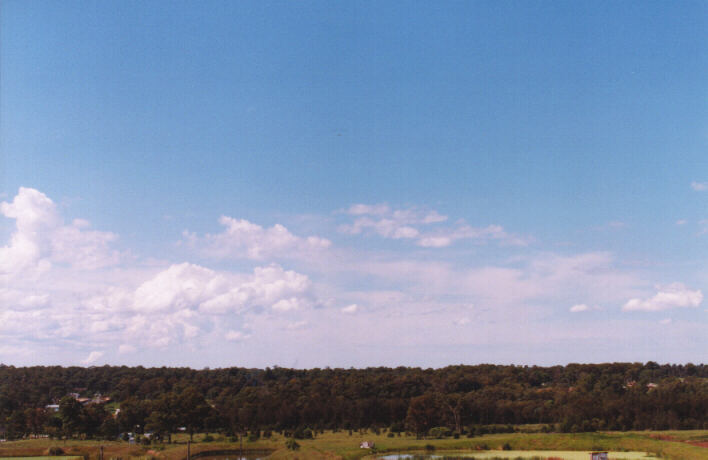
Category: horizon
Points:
column 208, row 368
column 353, row 185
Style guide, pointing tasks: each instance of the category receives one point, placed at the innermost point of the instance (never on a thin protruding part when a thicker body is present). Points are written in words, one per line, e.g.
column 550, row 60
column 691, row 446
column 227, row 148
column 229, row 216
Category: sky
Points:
column 352, row 184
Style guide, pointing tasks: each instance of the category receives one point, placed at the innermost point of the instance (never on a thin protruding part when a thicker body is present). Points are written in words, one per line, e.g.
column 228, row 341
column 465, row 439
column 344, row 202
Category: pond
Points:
column 517, row 454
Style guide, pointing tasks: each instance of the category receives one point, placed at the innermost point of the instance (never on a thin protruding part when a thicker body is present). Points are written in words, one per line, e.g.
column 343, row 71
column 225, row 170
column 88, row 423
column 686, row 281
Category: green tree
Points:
column 194, row 410
column 164, row 417
column 71, row 414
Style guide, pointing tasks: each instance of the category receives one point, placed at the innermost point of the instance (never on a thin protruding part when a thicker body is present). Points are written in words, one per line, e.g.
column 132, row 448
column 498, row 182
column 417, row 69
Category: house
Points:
column 52, row 407
column 598, row 456
column 366, row 445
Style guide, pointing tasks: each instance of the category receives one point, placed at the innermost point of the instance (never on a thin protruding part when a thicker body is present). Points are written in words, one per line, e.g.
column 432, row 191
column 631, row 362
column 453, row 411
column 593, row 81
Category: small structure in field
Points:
column 366, row 445
column 598, row 456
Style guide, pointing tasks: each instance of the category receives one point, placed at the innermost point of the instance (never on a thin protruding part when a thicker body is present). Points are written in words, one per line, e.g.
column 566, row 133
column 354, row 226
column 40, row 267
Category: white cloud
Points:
column 414, row 224
column 699, row 186
column 269, row 287
column 388, row 223
column 125, row 349
column 435, row 241
column 150, row 308
column 243, row 239
column 581, row 307
column 92, row 357
column 681, row 222
column 446, row 237
column 297, row 325
column 235, row 336
column 675, row 295
column 41, row 238
column 665, row 321
column 361, row 209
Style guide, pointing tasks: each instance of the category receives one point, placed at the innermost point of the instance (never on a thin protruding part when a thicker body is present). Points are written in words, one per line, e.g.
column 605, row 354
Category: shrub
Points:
column 396, row 427
column 429, row 447
column 303, row 433
column 439, row 432
column 390, row 434
column 55, row 451
column 292, row 444
column 506, row 446
column 208, row 438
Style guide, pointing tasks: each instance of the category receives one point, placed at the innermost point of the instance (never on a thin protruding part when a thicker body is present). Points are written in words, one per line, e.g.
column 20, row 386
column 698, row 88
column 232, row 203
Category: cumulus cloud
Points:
column 125, row 349
column 362, row 209
column 419, row 225
column 388, row 223
column 446, row 237
column 180, row 302
column 242, row 239
column 297, row 325
column 350, row 309
column 235, row 336
column 699, row 186
column 675, row 295
column 92, row 357
column 581, row 307
column 41, row 238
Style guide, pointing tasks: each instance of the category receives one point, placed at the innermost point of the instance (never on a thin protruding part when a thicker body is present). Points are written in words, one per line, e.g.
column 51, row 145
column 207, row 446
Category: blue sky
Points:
column 351, row 184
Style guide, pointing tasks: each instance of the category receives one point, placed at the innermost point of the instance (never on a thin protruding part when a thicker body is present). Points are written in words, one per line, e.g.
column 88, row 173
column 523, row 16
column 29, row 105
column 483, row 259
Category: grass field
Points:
column 46, row 457
column 533, row 454
column 624, row 445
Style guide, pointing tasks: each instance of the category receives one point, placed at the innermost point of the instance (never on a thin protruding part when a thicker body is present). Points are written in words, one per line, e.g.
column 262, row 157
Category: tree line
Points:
column 460, row 399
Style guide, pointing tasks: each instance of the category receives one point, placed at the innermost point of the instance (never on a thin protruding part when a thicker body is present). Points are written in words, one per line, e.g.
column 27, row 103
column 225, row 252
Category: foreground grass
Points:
column 340, row 445
column 44, row 458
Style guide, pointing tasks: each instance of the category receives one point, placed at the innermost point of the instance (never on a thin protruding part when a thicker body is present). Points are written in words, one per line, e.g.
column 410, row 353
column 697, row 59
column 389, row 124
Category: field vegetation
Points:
column 342, row 445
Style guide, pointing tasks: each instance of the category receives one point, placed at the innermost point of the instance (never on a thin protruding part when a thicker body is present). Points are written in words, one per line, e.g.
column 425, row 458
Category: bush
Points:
column 254, row 436
column 396, row 427
column 208, row 438
column 390, row 435
column 303, row 433
column 506, row 446
column 55, row 451
column 429, row 447
column 292, row 444
column 439, row 432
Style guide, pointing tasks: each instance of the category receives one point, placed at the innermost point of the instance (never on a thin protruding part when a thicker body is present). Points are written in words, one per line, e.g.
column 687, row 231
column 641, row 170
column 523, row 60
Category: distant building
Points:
column 366, row 445
column 52, row 407
column 598, row 456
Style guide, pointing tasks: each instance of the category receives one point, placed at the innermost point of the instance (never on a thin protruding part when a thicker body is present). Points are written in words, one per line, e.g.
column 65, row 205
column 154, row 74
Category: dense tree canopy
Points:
column 576, row 397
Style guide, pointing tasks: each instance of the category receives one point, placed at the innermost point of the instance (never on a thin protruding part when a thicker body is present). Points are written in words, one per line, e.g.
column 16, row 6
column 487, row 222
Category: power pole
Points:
column 189, row 450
